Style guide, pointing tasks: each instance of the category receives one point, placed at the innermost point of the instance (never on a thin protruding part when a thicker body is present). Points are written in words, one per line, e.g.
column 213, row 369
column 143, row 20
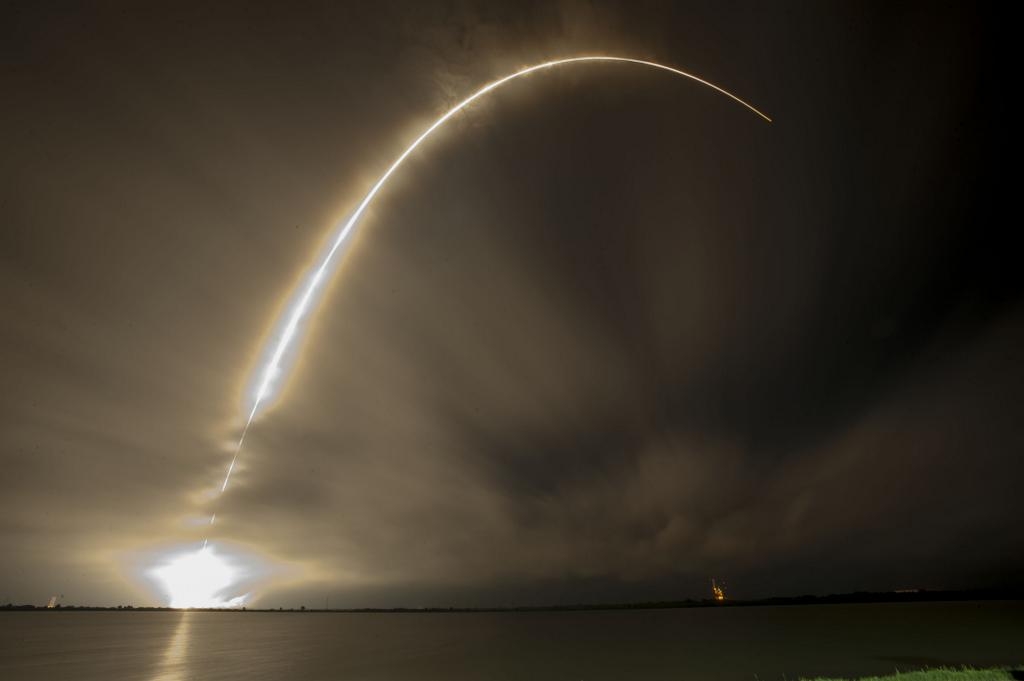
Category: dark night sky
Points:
column 605, row 336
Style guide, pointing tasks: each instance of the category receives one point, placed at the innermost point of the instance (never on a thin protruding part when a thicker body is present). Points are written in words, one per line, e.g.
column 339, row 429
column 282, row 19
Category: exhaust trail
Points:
column 238, row 449
column 281, row 349
column 234, row 460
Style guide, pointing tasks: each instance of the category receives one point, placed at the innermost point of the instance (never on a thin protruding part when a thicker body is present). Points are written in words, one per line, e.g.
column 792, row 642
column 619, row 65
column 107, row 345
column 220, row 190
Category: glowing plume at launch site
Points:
column 198, row 579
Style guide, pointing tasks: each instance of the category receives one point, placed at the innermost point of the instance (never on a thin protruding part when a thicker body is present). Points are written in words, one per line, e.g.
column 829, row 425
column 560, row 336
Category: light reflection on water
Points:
column 174, row 664
column 707, row 644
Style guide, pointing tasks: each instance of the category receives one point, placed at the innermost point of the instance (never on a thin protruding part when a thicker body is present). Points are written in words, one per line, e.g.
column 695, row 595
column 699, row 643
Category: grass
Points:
column 939, row 675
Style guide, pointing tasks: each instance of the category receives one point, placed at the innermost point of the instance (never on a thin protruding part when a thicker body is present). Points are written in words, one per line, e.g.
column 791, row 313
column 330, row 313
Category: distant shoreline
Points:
column 911, row 596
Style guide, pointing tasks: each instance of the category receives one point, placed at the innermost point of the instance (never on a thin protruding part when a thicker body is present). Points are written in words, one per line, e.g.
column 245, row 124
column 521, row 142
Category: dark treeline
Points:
column 916, row 596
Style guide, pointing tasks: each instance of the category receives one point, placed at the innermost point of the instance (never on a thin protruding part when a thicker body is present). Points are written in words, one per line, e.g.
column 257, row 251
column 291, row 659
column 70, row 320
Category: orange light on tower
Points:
column 717, row 592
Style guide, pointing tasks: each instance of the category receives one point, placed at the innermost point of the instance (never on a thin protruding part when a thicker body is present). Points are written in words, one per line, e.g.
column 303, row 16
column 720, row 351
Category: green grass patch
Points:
column 938, row 675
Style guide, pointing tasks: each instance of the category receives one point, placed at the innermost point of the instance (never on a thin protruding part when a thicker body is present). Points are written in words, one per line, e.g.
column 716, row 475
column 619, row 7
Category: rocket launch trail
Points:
column 282, row 346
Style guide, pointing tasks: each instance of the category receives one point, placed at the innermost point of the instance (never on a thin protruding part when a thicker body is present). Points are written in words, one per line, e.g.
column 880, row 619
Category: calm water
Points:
column 705, row 644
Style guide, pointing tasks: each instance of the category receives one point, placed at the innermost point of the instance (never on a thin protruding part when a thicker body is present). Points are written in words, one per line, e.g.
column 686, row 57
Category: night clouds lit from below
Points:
column 603, row 335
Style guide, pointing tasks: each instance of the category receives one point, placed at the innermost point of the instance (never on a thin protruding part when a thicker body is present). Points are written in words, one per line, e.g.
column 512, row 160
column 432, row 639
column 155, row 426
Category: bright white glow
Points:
column 198, row 579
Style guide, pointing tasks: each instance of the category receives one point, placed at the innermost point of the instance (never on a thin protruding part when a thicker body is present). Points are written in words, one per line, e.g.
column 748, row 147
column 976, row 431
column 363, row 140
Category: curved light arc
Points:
column 273, row 369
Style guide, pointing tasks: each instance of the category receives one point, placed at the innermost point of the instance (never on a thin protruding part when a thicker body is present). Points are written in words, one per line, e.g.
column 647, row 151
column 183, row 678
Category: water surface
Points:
column 707, row 644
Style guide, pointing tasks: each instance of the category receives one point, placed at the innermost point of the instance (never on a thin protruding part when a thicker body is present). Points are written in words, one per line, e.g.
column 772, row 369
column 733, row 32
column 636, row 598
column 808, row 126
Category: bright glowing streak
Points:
column 267, row 387
column 198, row 580
column 273, row 369
column 234, row 457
